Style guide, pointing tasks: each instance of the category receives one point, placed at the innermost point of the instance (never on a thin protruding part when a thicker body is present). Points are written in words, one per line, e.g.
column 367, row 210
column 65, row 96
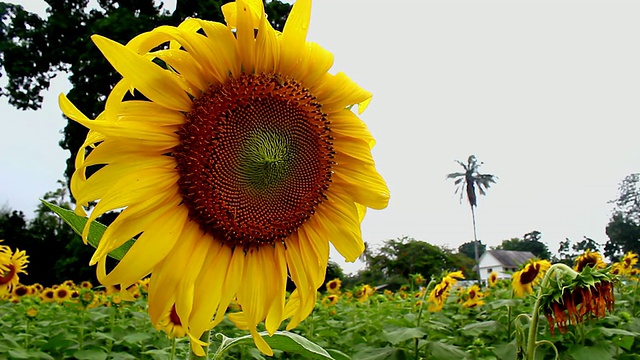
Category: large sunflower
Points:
column 236, row 158
column 12, row 264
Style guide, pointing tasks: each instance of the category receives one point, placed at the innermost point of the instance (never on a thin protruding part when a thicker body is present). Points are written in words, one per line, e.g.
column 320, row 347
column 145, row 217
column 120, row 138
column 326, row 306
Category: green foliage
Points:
column 61, row 42
column 397, row 259
column 568, row 252
column 530, row 242
column 468, row 249
column 55, row 252
column 623, row 229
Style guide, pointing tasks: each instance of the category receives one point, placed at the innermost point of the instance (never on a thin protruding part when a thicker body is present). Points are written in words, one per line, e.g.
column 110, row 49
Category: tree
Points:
column 530, row 242
column 61, row 42
column 567, row 252
column 466, row 183
column 55, row 252
column 469, row 249
column 394, row 261
column 623, row 229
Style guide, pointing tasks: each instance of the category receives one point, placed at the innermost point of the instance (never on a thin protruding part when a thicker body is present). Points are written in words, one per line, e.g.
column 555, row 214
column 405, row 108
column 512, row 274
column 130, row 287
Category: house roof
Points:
column 511, row 258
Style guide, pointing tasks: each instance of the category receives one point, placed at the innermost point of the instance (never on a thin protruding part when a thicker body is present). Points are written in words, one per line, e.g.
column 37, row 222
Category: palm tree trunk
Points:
column 475, row 242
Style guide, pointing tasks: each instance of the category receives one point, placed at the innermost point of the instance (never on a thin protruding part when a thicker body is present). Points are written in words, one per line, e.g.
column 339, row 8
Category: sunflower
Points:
column 233, row 150
column 473, row 297
column 11, row 265
column 330, row 300
column 440, row 292
column 524, row 280
column 62, row 293
column 86, row 285
column 626, row 265
column 493, row 279
column 333, row 286
column 589, row 258
column 170, row 323
column 48, row 295
column 31, row 312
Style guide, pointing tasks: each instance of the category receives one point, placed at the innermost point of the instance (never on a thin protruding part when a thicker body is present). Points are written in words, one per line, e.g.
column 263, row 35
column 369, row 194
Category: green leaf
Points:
column 446, row 351
column 136, row 337
column 281, row 340
column 19, row 354
column 381, row 354
column 338, row 355
column 402, row 334
column 96, row 230
column 579, row 352
column 614, row 332
column 93, row 354
column 477, row 328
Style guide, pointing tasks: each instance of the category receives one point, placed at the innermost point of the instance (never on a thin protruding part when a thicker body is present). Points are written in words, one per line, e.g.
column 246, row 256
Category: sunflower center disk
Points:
column 255, row 159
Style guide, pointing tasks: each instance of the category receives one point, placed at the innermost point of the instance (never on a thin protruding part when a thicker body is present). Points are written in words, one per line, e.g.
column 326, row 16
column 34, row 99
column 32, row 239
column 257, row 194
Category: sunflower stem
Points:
column 173, row 348
column 204, row 338
column 635, row 300
column 424, row 295
column 509, row 308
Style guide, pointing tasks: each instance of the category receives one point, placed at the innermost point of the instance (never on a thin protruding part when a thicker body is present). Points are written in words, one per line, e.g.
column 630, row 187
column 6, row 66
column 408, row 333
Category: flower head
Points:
column 589, row 258
column 493, row 279
column 588, row 294
column 473, row 297
column 524, row 280
column 441, row 291
column 333, row 286
column 237, row 157
column 11, row 265
column 330, row 300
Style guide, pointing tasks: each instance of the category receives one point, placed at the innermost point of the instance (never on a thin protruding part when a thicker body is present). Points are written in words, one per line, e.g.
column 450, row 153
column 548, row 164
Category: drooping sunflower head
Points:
column 589, row 258
column 523, row 281
column 572, row 298
column 232, row 149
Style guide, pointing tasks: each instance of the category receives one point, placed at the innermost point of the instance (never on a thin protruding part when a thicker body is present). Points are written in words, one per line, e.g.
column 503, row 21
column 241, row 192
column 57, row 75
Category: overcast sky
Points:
column 546, row 93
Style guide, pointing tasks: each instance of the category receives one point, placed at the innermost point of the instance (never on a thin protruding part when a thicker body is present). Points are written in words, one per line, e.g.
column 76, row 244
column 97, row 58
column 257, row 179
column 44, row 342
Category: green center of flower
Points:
column 255, row 159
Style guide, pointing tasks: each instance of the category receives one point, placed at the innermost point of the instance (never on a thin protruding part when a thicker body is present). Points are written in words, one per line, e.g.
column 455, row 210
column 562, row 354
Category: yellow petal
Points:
column 157, row 84
column 363, row 183
column 294, row 36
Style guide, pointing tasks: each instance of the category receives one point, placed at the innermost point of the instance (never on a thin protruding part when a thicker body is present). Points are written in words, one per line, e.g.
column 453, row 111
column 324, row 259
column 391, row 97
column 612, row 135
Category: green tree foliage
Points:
column 394, row 261
column 530, row 242
column 55, row 252
column 468, row 249
column 623, row 229
column 33, row 50
column 567, row 252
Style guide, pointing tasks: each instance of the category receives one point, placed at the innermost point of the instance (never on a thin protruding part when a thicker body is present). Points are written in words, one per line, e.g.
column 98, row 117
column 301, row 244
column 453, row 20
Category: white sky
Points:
column 546, row 93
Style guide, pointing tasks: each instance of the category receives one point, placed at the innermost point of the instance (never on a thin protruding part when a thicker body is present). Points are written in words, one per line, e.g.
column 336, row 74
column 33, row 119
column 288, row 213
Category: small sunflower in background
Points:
column 441, row 291
column 589, row 258
column 62, row 293
column 31, row 312
column 333, row 286
column 626, row 266
column 330, row 300
column 86, row 285
column 418, row 279
column 524, row 280
column 493, row 279
column 12, row 264
column 48, row 295
column 240, row 156
column 171, row 324
column 473, row 297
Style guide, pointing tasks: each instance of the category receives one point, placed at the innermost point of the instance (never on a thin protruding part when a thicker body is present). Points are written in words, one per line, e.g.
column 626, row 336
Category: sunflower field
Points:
column 592, row 314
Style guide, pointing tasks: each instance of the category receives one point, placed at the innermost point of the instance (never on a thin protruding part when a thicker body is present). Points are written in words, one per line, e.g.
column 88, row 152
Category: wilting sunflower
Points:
column 524, row 280
column 333, row 286
column 493, row 279
column 588, row 294
column 589, row 258
column 11, row 265
column 237, row 157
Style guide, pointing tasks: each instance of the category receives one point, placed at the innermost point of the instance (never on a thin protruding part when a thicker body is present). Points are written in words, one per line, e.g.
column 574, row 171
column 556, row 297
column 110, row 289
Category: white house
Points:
column 502, row 261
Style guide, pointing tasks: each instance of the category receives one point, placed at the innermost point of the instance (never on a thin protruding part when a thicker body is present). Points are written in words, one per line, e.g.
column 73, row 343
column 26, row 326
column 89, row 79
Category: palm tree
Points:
column 468, row 181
